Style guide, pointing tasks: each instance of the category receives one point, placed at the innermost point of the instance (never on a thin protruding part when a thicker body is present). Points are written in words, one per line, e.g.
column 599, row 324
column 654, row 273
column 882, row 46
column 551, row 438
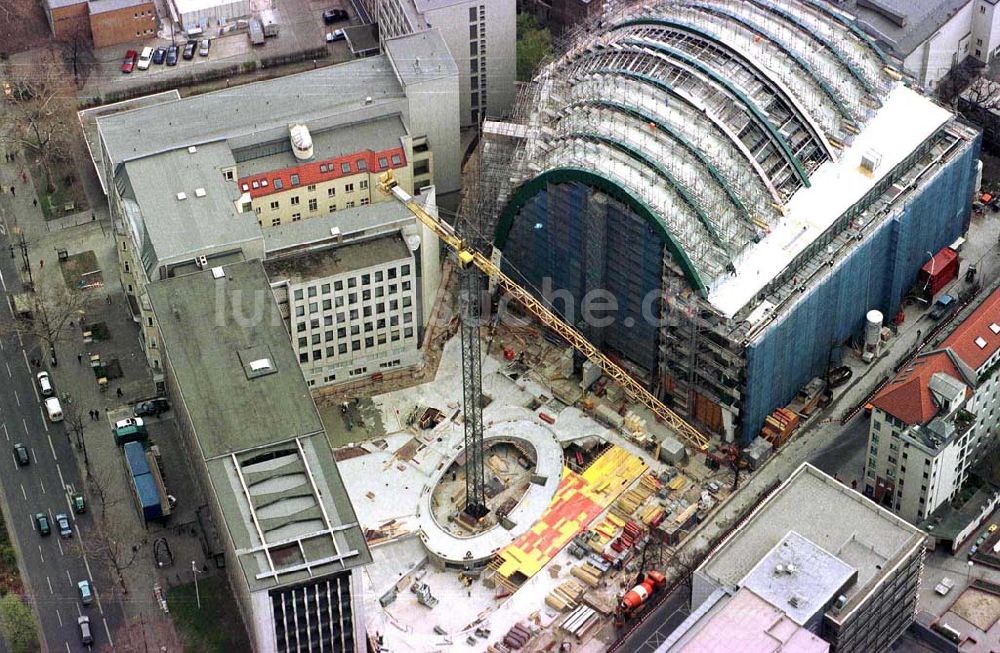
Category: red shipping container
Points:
column 938, row 272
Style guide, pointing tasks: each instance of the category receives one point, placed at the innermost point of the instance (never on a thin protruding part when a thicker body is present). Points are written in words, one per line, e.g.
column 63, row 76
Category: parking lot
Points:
column 300, row 28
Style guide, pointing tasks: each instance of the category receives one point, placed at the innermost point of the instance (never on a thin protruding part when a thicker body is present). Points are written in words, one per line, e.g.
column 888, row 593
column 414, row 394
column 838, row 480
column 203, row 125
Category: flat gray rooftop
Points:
column 338, row 259
column 921, row 18
column 799, row 578
column 377, row 134
column 830, row 515
column 177, row 227
column 382, row 215
column 421, row 57
column 274, row 103
column 211, row 330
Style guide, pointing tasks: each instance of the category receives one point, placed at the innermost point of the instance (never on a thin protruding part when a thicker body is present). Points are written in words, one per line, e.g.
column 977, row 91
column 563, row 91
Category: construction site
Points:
column 756, row 189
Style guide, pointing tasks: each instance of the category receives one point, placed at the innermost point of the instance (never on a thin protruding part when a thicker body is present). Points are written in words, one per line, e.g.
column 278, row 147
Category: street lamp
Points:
column 194, row 570
column 968, row 577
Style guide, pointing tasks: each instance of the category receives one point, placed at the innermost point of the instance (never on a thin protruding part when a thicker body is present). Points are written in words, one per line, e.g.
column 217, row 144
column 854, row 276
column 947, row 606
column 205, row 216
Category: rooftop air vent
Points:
column 218, row 272
column 368, row 100
column 192, row 149
column 201, row 262
column 870, row 161
column 995, row 328
column 981, row 343
column 199, row 192
column 335, row 232
column 302, row 144
column 181, row 196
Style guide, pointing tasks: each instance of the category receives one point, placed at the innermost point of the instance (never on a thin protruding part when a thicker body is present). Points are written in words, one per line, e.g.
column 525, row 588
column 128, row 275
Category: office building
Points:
column 293, row 546
column 482, row 37
column 931, row 427
column 747, row 180
column 195, row 182
column 815, row 567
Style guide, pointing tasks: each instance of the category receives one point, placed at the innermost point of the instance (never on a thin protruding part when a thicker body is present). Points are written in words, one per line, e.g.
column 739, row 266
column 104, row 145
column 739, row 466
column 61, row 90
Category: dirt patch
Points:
column 65, row 196
column 347, row 453
column 81, row 271
column 22, row 26
column 978, row 608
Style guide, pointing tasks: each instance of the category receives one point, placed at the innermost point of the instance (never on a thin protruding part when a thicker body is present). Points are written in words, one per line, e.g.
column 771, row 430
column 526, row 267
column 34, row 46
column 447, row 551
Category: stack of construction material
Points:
column 588, row 573
column 758, row 452
column 580, row 621
column 516, row 637
column 629, row 502
column 565, row 597
column 631, row 534
column 779, row 426
column 653, row 516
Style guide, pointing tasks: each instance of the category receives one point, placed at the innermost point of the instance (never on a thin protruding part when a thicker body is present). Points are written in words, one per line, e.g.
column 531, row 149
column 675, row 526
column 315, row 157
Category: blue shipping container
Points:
column 149, row 497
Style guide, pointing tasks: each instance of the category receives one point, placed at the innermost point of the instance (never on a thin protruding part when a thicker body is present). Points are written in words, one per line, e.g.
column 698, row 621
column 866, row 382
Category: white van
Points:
column 145, row 58
column 54, row 409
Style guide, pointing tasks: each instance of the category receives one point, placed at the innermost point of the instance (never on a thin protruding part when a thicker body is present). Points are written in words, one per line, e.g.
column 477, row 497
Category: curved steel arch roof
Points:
column 709, row 106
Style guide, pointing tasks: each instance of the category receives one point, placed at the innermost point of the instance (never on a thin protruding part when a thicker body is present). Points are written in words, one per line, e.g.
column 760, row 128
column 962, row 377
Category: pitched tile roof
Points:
column 314, row 172
column 908, row 397
column 978, row 336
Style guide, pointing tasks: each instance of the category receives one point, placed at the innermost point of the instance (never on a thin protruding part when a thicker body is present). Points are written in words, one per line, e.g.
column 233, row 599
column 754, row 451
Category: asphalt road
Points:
column 53, row 565
column 844, row 457
column 657, row 626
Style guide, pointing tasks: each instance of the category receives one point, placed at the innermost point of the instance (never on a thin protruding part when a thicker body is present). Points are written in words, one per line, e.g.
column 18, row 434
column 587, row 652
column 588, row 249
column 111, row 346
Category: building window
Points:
column 313, row 204
column 304, row 357
column 295, row 200
column 228, row 175
column 348, row 188
column 342, row 348
column 383, row 162
column 345, row 167
column 364, row 201
column 295, row 180
column 333, row 208
column 274, row 205
column 275, row 221
column 349, row 205
column 396, row 160
column 474, row 66
column 474, row 48
column 338, row 285
column 296, row 217
column 378, row 276
column 473, row 32
column 363, row 184
column 298, row 294
column 278, row 183
column 472, row 14
column 331, row 192
column 311, row 188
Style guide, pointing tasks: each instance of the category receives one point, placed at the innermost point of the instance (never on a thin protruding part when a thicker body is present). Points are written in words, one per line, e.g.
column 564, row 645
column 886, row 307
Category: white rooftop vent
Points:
column 335, row 232
column 791, row 568
column 218, row 272
column 192, row 149
column 981, row 343
column 199, row 192
column 302, row 143
column 995, row 328
column 201, row 262
column 368, row 100
column 181, row 196
column 780, row 569
column 261, row 365
column 870, row 161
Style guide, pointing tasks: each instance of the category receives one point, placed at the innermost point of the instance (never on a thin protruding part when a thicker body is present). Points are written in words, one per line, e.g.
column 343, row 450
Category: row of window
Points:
column 353, row 282
column 320, row 353
column 379, row 308
column 361, row 165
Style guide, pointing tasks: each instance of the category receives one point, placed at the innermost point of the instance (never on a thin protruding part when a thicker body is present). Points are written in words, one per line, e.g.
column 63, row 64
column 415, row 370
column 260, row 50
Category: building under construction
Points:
column 747, row 179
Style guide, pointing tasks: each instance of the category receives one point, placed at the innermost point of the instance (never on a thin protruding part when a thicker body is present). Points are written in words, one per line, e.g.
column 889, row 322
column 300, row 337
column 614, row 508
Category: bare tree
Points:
column 50, row 315
column 74, row 425
column 98, row 482
column 103, row 544
column 38, row 113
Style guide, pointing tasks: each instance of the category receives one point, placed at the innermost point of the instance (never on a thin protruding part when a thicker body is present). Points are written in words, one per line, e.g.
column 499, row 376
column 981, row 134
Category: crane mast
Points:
column 472, row 261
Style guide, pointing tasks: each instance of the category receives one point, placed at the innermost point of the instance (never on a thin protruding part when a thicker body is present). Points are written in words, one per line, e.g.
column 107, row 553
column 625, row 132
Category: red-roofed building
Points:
column 931, row 424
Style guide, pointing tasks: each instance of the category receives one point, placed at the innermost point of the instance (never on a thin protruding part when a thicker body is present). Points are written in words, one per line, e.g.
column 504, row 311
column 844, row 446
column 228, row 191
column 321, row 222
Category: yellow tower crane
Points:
column 466, row 256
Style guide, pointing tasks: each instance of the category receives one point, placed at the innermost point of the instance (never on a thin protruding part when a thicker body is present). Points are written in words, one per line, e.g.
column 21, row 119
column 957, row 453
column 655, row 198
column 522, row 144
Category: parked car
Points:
column 331, row 16
column 206, row 44
column 159, row 55
column 128, row 63
column 62, row 521
column 335, row 35
column 21, row 455
column 78, row 502
column 42, row 521
column 86, row 637
column 54, row 409
column 128, row 421
column 189, row 49
column 44, row 384
column 86, row 592
column 943, row 306
column 172, row 55
column 151, row 407
column 145, row 58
